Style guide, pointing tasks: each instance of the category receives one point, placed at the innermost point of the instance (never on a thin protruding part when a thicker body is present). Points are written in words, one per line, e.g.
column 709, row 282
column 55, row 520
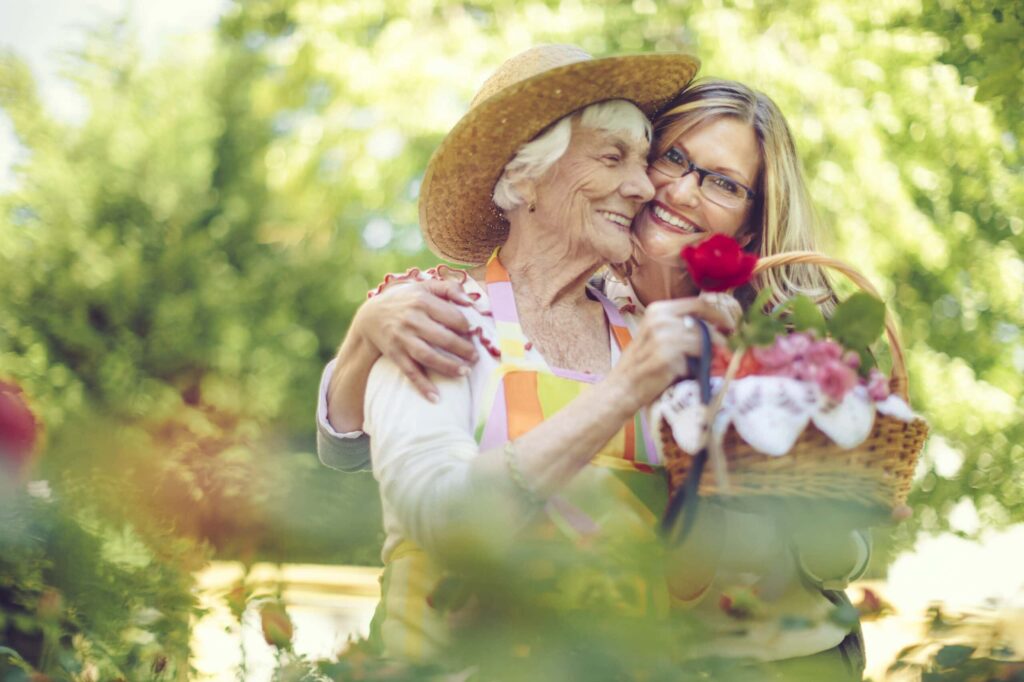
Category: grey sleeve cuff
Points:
column 343, row 454
column 342, row 451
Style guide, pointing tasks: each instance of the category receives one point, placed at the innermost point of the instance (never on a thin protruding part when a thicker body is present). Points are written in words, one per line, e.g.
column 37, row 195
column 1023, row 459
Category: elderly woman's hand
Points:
column 725, row 304
column 657, row 355
column 419, row 327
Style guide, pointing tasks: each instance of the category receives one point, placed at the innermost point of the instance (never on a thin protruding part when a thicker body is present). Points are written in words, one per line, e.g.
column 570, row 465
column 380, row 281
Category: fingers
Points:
column 444, row 339
column 445, row 313
column 703, row 309
column 430, row 358
column 415, row 374
column 725, row 303
column 717, row 338
column 449, row 291
column 416, row 356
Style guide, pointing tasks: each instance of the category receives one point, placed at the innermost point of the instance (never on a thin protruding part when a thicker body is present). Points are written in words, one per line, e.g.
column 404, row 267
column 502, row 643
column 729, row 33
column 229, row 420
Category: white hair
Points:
column 539, row 154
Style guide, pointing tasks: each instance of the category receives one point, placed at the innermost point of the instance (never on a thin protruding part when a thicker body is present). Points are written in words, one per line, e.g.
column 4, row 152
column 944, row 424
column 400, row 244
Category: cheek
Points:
column 732, row 223
column 573, row 187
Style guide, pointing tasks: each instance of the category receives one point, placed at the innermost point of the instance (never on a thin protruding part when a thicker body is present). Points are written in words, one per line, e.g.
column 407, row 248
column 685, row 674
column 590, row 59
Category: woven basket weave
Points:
column 878, row 472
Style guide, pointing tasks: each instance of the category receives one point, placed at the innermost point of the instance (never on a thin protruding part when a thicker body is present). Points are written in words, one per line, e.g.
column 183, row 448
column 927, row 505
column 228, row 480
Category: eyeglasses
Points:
column 721, row 189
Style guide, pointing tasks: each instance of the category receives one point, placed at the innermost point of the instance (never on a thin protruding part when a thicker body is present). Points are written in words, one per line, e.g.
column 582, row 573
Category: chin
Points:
column 663, row 247
column 616, row 250
column 617, row 255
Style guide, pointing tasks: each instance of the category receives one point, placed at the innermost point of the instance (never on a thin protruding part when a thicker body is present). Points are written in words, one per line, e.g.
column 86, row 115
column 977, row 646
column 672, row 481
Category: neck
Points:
column 653, row 281
column 545, row 267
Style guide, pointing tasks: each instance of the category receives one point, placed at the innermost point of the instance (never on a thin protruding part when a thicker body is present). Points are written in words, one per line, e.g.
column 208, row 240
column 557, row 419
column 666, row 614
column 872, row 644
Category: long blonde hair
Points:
column 782, row 218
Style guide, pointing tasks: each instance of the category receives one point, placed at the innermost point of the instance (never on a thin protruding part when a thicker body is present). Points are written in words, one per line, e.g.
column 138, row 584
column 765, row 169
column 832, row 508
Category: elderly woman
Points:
column 464, row 473
column 723, row 161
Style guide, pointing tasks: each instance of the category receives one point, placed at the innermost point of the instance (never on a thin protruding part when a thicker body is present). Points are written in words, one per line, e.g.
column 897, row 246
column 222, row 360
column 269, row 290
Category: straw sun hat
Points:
column 523, row 97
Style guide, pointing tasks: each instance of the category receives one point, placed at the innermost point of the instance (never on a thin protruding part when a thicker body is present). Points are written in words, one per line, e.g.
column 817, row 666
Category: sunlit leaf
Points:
column 858, row 321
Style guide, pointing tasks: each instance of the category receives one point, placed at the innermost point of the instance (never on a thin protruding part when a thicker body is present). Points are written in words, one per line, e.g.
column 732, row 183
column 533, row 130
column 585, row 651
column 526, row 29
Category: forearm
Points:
column 549, row 455
column 456, row 501
column 347, row 387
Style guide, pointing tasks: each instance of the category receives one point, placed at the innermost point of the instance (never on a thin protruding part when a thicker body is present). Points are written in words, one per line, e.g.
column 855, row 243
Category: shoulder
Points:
column 471, row 281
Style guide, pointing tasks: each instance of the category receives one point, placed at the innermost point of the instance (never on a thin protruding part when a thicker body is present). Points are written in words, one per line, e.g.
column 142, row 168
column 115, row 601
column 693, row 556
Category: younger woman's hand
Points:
column 419, row 326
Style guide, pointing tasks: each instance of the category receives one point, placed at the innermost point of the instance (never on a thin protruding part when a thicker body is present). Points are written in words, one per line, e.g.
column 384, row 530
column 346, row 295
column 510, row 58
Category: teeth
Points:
column 673, row 220
column 616, row 218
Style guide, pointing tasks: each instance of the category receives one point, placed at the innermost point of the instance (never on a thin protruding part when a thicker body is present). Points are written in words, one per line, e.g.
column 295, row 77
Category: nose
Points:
column 637, row 186
column 684, row 191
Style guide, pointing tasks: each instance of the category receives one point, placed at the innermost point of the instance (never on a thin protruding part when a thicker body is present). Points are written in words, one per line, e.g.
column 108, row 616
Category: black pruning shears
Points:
column 684, row 501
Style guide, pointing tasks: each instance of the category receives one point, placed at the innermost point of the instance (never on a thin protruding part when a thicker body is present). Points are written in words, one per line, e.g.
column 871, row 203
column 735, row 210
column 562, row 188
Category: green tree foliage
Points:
column 984, row 40
column 143, row 293
column 917, row 181
column 175, row 270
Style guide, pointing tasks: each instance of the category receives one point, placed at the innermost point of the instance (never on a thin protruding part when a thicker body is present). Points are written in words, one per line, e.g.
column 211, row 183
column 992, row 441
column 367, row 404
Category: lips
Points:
column 671, row 220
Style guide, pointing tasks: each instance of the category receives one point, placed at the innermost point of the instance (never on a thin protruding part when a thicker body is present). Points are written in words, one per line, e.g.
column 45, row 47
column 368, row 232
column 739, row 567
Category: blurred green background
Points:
column 176, row 269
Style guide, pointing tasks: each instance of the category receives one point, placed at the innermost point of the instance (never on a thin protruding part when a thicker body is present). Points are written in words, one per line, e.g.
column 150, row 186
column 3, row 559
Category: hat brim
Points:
column 457, row 215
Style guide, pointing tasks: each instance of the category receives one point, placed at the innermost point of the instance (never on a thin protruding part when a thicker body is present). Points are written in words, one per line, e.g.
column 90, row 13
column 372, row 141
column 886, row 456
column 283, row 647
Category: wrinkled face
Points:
column 594, row 191
column 679, row 214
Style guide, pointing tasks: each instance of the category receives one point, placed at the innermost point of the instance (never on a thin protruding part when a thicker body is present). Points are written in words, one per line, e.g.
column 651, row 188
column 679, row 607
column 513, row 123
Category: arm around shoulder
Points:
column 344, row 451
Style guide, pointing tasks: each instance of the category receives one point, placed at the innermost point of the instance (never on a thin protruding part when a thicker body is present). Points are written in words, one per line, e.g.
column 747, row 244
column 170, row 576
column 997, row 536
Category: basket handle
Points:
column 898, row 382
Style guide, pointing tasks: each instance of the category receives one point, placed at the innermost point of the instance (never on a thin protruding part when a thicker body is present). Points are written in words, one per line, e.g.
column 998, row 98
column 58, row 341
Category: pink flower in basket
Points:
column 835, row 379
column 798, row 344
column 878, row 385
column 824, row 351
column 803, row 357
column 773, row 359
column 801, row 370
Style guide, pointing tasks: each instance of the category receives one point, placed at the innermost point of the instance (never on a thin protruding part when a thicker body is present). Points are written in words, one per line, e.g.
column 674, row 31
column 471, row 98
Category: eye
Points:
column 676, row 156
column 612, row 158
column 725, row 184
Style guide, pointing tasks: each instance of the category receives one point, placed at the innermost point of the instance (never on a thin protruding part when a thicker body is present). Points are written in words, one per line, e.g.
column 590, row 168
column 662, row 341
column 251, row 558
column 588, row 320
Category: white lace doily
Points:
column 770, row 413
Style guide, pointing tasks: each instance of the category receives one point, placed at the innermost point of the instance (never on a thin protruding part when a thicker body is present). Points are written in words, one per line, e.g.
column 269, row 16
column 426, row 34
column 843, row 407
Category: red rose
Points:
column 18, row 428
column 718, row 263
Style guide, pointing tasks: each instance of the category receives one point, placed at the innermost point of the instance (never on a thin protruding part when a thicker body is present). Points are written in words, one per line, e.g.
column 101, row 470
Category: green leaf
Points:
column 867, row 360
column 759, row 328
column 858, row 321
column 762, row 330
column 756, row 308
column 953, row 655
column 806, row 316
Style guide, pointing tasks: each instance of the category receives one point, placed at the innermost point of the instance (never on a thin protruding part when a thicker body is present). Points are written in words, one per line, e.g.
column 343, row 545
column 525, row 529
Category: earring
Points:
column 532, row 208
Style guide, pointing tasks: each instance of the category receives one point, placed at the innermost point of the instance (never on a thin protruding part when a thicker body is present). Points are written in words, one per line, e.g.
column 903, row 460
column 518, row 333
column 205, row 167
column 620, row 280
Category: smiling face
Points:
column 594, row 191
column 679, row 214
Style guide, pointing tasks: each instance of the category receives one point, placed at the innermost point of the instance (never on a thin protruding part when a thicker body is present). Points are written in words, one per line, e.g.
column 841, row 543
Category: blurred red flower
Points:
column 18, row 428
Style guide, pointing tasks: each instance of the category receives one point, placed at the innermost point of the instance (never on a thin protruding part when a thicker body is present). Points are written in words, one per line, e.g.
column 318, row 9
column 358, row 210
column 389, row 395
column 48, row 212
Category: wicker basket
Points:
column 878, row 472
